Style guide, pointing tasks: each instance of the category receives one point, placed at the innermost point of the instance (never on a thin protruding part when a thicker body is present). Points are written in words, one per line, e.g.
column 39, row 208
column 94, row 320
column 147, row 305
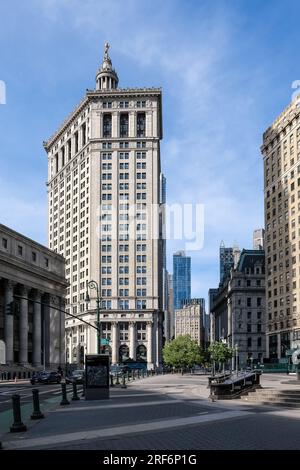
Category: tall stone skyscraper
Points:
column 280, row 150
column 226, row 261
column 258, row 239
column 105, row 214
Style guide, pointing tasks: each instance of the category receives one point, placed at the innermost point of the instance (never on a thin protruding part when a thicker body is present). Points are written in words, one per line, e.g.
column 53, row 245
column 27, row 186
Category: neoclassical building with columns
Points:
column 106, row 214
column 32, row 293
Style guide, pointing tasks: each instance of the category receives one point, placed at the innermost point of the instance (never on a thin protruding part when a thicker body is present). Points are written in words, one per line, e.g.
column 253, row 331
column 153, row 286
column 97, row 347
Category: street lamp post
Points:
column 94, row 285
column 236, row 359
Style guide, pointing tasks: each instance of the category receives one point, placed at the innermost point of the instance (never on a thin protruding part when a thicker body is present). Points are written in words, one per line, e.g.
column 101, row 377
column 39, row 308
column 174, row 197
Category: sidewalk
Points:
column 151, row 406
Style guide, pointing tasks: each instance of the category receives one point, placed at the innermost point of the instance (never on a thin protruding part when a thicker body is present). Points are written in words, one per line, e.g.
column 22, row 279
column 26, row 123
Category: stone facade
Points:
column 281, row 155
column 238, row 308
column 189, row 320
column 32, row 288
column 105, row 217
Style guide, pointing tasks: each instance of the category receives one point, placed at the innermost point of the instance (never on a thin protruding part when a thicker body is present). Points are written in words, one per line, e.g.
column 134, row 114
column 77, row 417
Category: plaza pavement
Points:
column 164, row 412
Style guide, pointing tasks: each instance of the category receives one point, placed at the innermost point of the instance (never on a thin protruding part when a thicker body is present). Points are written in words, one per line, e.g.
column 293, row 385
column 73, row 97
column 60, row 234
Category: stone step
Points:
column 281, row 403
column 271, row 400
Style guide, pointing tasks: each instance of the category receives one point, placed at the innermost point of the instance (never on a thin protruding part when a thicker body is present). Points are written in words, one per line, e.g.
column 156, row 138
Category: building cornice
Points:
column 71, row 117
column 90, row 94
column 35, row 245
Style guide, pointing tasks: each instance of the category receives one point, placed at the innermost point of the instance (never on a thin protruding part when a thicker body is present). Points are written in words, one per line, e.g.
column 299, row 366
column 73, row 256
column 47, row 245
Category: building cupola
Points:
column 106, row 78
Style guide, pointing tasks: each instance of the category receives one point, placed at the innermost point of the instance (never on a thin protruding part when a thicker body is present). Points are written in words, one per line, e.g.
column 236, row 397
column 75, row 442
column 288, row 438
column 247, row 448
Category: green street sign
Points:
column 104, row 342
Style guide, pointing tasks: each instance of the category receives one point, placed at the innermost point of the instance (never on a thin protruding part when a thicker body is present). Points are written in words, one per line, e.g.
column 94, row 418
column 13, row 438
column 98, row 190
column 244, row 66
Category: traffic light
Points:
column 11, row 308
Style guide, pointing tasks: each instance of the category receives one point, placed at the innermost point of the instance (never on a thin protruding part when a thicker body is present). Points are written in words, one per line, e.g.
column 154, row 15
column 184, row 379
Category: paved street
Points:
column 163, row 412
column 49, row 396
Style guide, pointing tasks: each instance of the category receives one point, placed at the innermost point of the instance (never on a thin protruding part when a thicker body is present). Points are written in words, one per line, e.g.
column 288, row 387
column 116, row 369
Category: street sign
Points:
column 104, row 342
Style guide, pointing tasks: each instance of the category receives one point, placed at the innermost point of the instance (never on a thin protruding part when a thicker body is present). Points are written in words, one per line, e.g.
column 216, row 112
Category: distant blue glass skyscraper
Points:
column 181, row 278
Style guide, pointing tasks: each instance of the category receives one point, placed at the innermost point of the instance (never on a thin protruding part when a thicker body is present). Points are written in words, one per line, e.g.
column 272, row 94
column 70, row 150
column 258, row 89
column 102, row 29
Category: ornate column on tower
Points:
column 149, row 345
column 132, row 342
column 114, row 342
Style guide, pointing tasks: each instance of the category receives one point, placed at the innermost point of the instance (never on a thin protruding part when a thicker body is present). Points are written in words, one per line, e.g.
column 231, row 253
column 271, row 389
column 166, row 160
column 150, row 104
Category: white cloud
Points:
column 210, row 152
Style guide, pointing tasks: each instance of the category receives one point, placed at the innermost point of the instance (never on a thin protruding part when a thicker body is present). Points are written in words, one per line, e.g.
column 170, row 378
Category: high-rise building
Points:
column 280, row 150
column 171, row 330
column 181, row 278
column 237, row 309
column 226, row 261
column 105, row 218
column 258, row 239
column 189, row 320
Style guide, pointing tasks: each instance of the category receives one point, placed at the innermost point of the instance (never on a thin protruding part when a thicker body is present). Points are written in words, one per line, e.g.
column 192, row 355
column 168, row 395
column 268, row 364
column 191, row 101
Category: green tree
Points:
column 182, row 352
column 220, row 352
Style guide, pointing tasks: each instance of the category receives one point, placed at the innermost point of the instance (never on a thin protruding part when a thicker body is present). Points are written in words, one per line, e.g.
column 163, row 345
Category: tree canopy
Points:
column 220, row 352
column 182, row 352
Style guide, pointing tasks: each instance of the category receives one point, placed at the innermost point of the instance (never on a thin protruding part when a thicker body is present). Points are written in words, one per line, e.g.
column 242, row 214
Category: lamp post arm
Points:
column 59, row 310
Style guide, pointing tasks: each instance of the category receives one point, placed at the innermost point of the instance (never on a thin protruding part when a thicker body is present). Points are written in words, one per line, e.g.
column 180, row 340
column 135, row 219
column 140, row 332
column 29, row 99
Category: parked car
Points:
column 36, row 377
column 76, row 376
column 50, row 377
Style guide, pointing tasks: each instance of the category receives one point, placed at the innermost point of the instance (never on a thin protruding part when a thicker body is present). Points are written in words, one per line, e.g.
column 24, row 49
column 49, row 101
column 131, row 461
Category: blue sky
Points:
column 226, row 69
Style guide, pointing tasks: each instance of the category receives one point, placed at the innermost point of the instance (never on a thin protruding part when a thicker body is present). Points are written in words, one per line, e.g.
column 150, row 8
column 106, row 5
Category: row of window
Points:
column 124, row 145
column 123, row 104
column 20, row 252
column 124, row 166
column 123, row 281
column 124, row 259
column 124, row 125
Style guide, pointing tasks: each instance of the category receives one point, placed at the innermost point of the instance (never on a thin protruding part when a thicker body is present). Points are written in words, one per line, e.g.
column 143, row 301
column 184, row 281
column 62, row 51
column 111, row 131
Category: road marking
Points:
column 88, row 407
column 122, row 430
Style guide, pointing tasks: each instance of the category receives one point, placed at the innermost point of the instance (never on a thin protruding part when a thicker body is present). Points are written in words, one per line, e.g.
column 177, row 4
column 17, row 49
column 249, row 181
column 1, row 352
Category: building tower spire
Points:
column 106, row 78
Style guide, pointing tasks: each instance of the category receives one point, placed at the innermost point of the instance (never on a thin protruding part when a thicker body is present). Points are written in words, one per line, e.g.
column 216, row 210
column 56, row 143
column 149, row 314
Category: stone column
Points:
column 37, row 330
column 149, row 345
column 9, row 324
column 114, row 343
column 267, row 346
column 132, row 124
column 159, row 342
column 132, row 342
column 278, row 346
column 23, row 327
column 114, row 124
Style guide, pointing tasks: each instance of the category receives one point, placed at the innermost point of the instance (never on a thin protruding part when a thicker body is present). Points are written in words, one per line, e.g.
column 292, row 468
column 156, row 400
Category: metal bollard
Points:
column 117, row 381
column 64, row 400
column 37, row 414
column 133, row 375
column 83, row 389
column 139, row 374
column 123, row 382
column 17, row 425
column 75, row 396
column 112, row 381
column 143, row 373
column 128, row 376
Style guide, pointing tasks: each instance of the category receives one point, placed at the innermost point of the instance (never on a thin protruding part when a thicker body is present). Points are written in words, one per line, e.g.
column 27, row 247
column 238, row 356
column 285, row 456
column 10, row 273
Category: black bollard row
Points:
column 75, row 397
column 64, row 400
column 123, row 382
column 83, row 389
column 17, row 425
column 37, row 414
column 112, row 381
